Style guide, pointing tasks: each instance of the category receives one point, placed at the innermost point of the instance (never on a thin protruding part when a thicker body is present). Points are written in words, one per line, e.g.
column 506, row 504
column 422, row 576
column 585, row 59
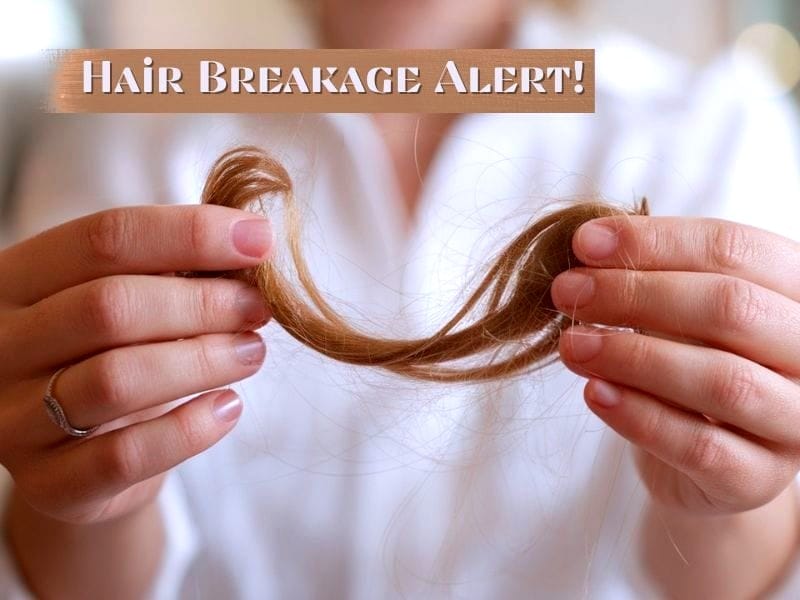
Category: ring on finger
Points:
column 56, row 413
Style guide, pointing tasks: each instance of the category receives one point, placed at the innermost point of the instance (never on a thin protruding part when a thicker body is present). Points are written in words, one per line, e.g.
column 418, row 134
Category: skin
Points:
column 722, row 522
column 412, row 140
column 83, row 510
column 705, row 388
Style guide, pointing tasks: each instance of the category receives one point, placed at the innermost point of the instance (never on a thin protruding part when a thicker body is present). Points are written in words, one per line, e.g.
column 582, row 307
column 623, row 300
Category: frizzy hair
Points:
column 507, row 325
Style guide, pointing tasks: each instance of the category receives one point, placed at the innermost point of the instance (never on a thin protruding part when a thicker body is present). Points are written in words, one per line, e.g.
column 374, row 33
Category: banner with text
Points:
column 236, row 81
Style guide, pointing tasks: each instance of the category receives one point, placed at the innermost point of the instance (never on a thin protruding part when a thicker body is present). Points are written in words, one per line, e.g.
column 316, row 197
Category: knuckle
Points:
column 650, row 429
column 638, row 353
column 633, row 298
column 107, row 234
column 653, row 242
column 107, row 307
column 123, row 460
column 108, row 382
column 730, row 246
column 191, row 436
column 211, row 301
column 200, row 231
column 733, row 388
column 205, row 357
column 739, row 306
column 706, row 452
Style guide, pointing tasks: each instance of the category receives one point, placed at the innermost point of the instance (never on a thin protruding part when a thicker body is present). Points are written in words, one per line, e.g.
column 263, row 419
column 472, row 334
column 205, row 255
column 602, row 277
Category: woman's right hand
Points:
column 92, row 296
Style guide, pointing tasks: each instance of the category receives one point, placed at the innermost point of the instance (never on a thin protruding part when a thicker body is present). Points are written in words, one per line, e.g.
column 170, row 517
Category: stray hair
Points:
column 507, row 325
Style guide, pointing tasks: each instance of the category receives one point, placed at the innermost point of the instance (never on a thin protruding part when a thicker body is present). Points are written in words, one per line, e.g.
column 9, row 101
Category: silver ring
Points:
column 56, row 413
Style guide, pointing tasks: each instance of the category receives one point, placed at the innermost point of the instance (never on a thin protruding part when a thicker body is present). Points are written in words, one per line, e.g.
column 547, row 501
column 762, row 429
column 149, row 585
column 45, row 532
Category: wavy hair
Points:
column 507, row 325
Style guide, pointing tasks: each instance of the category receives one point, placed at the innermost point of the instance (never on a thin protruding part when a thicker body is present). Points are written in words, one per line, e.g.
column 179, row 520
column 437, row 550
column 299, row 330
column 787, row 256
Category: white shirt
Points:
column 342, row 482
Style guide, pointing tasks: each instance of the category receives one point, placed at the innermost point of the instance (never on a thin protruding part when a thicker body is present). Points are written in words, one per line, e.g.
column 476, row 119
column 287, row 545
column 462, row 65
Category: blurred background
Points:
column 696, row 30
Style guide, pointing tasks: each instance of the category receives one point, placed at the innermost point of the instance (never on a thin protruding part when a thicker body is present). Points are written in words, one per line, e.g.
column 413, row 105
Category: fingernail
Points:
column 250, row 304
column 252, row 237
column 583, row 345
column 603, row 393
column 227, row 407
column 572, row 289
column 250, row 349
column 597, row 241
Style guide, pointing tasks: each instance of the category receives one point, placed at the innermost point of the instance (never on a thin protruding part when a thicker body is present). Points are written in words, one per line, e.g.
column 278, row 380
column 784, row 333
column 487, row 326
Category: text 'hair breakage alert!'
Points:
column 507, row 325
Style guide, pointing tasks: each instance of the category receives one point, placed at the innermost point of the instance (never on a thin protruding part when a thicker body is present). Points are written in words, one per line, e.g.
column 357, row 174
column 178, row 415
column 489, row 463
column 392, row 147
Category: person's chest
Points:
column 333, row 465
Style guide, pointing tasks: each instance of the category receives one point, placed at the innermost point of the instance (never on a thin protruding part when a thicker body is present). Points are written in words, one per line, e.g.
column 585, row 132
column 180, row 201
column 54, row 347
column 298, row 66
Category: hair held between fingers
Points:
column 507, row 324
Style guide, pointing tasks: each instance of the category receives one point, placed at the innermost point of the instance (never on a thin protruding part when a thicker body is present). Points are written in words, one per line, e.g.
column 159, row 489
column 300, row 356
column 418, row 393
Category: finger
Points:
column 127, row 380
column 718, row 384
column 128, row 309
column 138, row 240
column 699, row 245
column 719, row 310
column 723, row 471
column 108, row 464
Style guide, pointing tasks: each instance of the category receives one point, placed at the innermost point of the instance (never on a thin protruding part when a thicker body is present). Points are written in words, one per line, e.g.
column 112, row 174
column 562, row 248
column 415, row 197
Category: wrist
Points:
column 737, row 555
column 56, row 559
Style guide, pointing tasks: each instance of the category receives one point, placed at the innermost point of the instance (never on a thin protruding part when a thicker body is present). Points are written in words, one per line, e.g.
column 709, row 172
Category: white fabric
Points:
column 344, row 483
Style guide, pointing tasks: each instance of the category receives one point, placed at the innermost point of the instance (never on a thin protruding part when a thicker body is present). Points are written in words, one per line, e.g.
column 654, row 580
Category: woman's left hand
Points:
column 709, row 395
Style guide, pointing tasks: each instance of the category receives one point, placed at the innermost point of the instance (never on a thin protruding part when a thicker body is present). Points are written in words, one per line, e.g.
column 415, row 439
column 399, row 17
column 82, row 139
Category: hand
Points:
column 708, row 395
column 88, row 295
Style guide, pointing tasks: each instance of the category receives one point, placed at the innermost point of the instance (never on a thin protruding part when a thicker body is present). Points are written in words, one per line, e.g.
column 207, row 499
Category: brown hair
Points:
column 507, row 325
